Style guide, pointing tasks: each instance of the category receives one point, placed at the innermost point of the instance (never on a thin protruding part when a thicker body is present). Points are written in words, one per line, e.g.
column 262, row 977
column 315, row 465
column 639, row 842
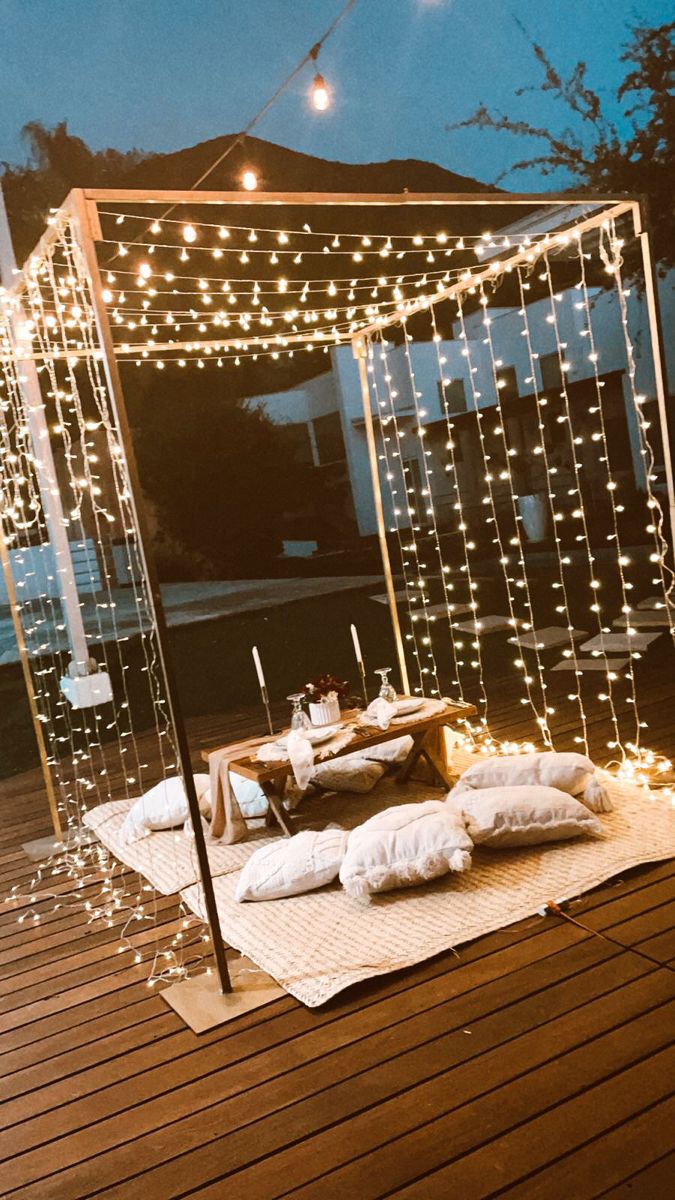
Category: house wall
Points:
column 339, row 390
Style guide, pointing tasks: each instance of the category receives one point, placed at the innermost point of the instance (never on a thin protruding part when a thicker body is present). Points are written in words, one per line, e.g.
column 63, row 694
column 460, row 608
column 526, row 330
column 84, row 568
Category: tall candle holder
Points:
column 263, row 687
column 360, row 663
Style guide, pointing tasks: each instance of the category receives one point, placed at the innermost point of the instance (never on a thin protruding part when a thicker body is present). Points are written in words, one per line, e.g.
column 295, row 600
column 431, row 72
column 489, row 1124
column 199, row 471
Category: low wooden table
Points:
column 425, row 731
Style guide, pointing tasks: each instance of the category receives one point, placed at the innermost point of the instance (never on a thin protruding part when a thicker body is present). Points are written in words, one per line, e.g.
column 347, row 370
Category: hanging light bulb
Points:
column 189, row 233
column 249, row 180
column 320, row 95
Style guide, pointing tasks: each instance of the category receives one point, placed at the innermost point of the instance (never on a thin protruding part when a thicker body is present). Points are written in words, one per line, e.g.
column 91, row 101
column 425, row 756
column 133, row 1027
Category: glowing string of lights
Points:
column 556, row 516
column 580, row 513
column 490, row 501
column 472, row 585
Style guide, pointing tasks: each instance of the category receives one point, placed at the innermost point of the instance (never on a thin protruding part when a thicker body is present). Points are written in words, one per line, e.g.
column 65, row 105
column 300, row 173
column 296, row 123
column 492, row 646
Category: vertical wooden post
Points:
column 46, row 471
column 85, row 231
column 658, row 354
column 359, row 351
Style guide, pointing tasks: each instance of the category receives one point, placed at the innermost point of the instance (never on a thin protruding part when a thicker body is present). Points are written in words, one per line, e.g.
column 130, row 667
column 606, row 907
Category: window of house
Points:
column 508, row 380
column 551, row 378
column 330, row 443
column 413, row 480
column 453, row 395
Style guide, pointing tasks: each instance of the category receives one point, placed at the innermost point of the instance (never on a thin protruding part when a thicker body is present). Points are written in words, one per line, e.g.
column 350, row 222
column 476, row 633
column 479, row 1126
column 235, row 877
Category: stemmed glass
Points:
column 299, row 719
column 387, row 692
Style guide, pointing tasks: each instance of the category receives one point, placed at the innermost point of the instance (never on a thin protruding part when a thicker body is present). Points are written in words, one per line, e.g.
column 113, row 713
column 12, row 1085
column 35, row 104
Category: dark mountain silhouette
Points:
column 59, row 161
column 281, row 169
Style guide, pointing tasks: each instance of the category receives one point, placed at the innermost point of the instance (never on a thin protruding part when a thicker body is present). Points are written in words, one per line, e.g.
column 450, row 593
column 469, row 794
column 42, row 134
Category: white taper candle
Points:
column 357, row 646
column 258, row 667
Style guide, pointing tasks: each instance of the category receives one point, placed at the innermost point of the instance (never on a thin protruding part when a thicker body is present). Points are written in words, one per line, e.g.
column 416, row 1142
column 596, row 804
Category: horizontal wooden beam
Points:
column 475, row 278
column 161, row 196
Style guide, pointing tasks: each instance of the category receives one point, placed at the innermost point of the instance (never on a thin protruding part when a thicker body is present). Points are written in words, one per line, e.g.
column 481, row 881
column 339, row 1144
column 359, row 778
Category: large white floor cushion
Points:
column 163, row 807
column 391, row 753
column 523, row 816
column 570, row 772
column 293, row 865
column 352, row 773
column 403, row 846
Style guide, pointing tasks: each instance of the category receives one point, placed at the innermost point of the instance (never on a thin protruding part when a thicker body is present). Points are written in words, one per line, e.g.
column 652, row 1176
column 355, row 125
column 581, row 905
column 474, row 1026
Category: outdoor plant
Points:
column 326, row 687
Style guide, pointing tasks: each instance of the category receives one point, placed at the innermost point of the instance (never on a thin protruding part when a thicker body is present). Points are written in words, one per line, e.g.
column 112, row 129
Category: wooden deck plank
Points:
column 398, row 1005
column 610, row 1158
column 477, row 1068
column 389, row 1105
column 655, row 1182
column 274, row 1101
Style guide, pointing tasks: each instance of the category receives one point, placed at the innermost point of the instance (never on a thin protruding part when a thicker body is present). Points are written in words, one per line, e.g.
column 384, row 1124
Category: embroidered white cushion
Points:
column 570, row 772
column 391, row 753
column 163, row 807
column 403, row 846
column 523, row 816
column 353, row 773
column 293, row 865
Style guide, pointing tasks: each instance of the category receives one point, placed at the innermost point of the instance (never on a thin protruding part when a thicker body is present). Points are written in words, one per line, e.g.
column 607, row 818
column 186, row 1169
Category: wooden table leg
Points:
column 403, row 774
column 425, row 746
column 275, row 801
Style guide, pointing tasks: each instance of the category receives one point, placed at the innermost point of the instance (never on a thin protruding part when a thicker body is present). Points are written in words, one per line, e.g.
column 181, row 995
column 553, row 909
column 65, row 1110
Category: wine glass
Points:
column 387, row 691
column 299, row 719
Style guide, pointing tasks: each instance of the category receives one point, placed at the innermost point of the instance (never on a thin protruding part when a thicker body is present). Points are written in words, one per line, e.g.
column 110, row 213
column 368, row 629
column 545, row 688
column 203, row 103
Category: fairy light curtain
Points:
column 119, row 749
column 183, row 292
column 454, row 483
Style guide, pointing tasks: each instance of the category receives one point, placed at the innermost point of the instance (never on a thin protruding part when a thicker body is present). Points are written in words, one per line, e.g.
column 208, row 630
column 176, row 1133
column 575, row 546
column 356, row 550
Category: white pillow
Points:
column 391, row 753
column 403, row 846
column 163, row 807
column 523, row 816
column 353, row 773
column 570, row 772
column 249, row 795
column 293, row 865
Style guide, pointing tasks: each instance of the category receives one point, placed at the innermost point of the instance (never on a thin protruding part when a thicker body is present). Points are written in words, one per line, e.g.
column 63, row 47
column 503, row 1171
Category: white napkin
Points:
column 301, row 755
column 379, row 712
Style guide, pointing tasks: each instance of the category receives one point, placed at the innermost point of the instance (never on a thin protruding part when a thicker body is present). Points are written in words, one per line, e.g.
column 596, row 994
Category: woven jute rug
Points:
column 167, row 858
column 320, row 943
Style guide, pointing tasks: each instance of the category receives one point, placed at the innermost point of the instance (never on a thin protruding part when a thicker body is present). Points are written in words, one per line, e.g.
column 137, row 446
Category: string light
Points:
column 249, row 180
column 320, row 94
column 94, row 755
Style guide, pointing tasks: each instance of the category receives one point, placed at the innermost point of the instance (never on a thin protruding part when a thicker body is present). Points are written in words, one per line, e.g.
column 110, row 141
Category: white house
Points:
column 326, row 414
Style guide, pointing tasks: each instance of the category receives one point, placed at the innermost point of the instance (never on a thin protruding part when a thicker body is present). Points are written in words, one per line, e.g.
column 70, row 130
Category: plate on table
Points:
column 408, row 705
column 316, row 735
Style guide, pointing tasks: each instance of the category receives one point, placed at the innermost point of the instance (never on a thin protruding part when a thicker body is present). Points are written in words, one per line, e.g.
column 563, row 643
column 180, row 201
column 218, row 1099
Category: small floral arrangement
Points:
column 326, row 687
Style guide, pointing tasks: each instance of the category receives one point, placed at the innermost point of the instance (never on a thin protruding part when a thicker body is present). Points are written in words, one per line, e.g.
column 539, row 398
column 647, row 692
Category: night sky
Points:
column 164, row 74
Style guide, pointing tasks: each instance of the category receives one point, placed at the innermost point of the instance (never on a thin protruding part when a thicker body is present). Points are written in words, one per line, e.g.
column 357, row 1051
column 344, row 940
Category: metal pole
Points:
column 50, row 494
column 86, row 243
column 658, row 354
column 359, row 351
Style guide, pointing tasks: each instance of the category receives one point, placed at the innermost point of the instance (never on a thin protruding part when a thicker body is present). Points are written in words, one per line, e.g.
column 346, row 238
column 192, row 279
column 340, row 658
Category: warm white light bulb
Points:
column 320, row 94
column 249, row 180
column 189, row 233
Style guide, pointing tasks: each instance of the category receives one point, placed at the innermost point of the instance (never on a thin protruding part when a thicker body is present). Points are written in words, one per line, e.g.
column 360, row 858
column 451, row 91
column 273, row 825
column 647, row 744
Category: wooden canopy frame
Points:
column 81, row 210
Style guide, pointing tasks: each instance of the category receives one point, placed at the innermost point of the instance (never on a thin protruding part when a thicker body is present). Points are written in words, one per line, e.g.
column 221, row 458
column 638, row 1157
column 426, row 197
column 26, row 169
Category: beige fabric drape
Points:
column 227, row 823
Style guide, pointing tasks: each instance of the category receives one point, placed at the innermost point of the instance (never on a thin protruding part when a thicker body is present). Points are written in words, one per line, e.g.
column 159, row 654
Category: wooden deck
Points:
column 537, row 1064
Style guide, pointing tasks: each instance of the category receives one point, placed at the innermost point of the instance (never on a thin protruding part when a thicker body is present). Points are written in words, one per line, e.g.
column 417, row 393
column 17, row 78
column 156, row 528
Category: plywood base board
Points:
column 591, row 664
column 548, row 638
column 483, row 625
column 611, row 642
column 201, row 1004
